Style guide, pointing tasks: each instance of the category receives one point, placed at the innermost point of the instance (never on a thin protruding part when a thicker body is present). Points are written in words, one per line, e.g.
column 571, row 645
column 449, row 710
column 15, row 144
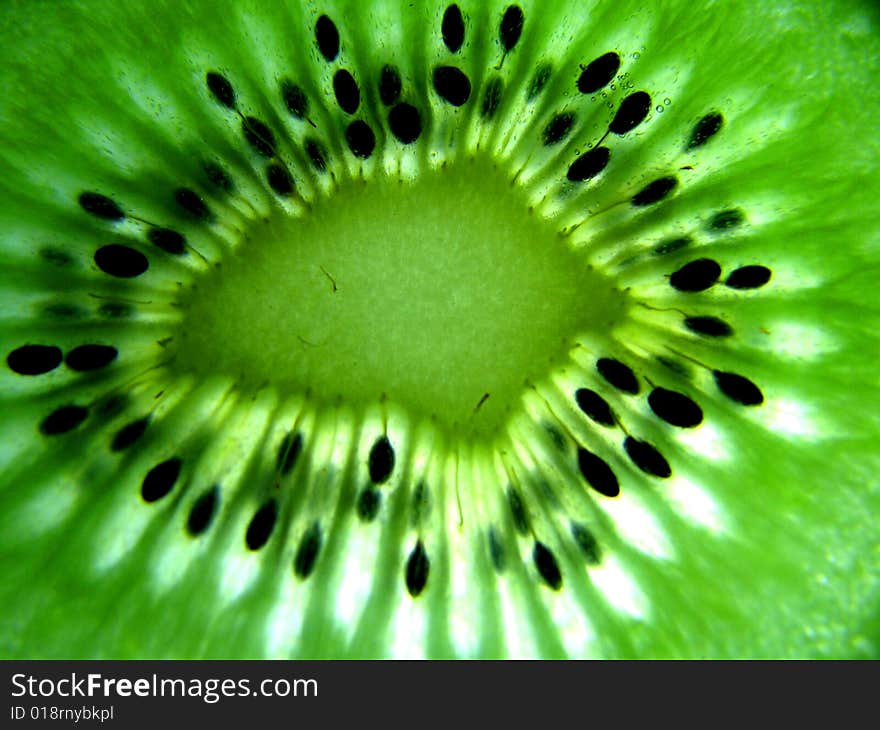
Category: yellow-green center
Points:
column 446, row 295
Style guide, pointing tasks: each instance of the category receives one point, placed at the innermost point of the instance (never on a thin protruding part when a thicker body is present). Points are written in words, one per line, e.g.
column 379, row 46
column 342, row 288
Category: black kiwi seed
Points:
column 295, row 99
column 632, row 112
column 452, row 28
column 654, row 191
column 202, row 512
column 90, row 357
column 598, row 73
column 708, row 326
column 279, row 179
column 101, row 206
column 405, row 122
column 511, row 27
column 389, row 85
column 672, row 245
column 647, row 457
column 749, row 277
column 348, row 95
column 316, row 155
column 221, row 89
column 517, row 511
column 557, row 128
column 597, row 473
column 594, row 406
column 34, row 359
column 129, row 434
column 548, row 568
column 259, row 530
column 492, row 98
column 724, row 220
column 675, row 408
column 63, row 419
column 259, row 136
column 496, row 550
column 705, row 129
column 696, row 276
column 417, row 568
column 452, row 85
column 589, row 164
column 160, row 480
column 738, row 388
column 307, row 551
column 368, row 503
column 288, row 452
column 191, row 202
column 361, row 139
column 56, row 257
column 539, row 81
column 587, row 543
column 218, row 177
column 60, row 310
column 618, row 374
column 168, row 240
column 381, row 460
column 121, row 261
column 327, row 37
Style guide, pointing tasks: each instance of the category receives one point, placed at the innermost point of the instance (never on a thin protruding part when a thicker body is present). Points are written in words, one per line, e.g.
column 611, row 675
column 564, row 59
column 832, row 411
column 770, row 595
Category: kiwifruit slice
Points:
column 439, row 329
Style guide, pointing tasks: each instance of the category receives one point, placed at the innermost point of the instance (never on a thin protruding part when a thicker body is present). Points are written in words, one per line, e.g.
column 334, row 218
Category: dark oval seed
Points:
column 202, row 512
column 168, row 240
column 295, row 99
column 547, row 567
column 63, row 419
column 738, row 388
column 327, row 37
column 654, row 191
column 316, row 155
column 695, row 276
column 389, row 85
column 405, row 123
column 381, row 461
column 557, row 128
column 452, row 85
column 492, row 98
column 90, row 357
column 749, row 277
column 632, row 113
column 594, row 406
column 647, row 458
column 705, row 129
column 674, row 244
column 160, row 480
column 360, row 138
column 675, row 408
column 597, row 473
column 368, row 504
column 34, row 359
column 452, row 28
column 517, row 511
column 417, row 568
column 128, row 434
column 279, row 179
column 539, row 81
column 598, row 73
column 100, row 206
column 496, row 550
column 121, row 261
column 259, row 530
column 288, row 452
column 621, row 376
column 191, row 202
column 221, row 89
column 709, row 326
column 218, row 177
column 724, row 220
column 259, row 136
column 307, row 551
column 589, row 164
column 587, row 543
column 511, row 27
column 348, row 95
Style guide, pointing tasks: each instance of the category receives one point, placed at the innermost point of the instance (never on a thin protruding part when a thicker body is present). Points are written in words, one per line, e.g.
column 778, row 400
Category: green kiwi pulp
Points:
column 476, row 329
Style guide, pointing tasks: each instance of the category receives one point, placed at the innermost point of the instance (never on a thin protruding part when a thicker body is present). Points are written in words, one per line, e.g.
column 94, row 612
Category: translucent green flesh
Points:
column 763, row 543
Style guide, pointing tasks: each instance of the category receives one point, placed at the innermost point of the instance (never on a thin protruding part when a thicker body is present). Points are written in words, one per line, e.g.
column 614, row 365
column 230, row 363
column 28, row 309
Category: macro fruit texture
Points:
column 476, row 329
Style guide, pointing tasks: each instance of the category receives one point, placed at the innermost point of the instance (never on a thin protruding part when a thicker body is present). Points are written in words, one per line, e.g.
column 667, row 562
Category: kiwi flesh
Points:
column 475, row 329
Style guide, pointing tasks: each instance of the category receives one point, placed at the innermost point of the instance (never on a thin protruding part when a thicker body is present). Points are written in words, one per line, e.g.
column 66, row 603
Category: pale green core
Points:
column 430, row 293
